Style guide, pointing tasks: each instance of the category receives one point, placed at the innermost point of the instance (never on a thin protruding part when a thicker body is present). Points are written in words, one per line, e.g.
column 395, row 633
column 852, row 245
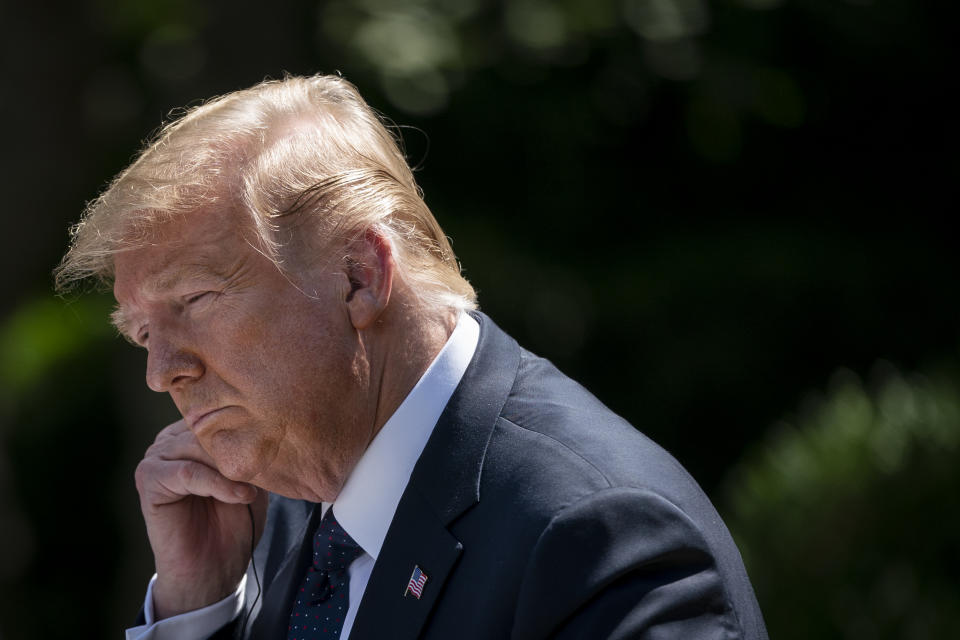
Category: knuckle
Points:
column 138, row 478
column 186, row 473
column 145, row 476
column 184, row 438
column 171, row 430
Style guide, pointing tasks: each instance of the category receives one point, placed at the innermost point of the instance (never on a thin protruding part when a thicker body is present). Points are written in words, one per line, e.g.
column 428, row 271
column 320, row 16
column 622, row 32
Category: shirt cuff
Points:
column 196, row 624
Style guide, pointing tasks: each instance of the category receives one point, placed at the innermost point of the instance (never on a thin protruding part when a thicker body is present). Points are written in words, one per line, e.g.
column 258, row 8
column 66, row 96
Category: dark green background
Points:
column 699, row 210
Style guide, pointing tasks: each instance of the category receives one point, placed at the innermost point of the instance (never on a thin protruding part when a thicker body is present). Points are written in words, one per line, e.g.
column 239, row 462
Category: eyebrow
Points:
column 123, row 324
column 167, row 279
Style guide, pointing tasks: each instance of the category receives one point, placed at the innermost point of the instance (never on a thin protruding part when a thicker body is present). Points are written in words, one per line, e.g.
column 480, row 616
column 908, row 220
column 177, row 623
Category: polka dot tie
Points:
column 321, row 602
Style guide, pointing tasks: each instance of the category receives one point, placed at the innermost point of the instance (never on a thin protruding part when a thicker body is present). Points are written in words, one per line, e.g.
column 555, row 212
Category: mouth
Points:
column 196, row 419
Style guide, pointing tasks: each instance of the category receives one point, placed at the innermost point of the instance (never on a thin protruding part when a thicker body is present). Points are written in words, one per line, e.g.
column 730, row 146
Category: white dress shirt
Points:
column 368, row 500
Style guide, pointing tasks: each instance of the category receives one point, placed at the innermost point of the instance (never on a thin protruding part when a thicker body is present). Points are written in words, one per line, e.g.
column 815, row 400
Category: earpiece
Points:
column 253, row 565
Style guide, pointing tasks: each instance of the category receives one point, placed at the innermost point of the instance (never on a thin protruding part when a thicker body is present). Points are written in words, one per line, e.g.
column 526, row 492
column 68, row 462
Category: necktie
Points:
column 321, row 602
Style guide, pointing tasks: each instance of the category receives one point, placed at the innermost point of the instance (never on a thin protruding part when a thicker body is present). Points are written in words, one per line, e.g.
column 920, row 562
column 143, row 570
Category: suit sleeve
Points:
column 217, row 621
column 623, row 563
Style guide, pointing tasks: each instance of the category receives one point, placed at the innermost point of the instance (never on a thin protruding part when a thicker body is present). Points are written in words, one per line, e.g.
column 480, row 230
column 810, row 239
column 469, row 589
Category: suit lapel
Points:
column 281, row 559
column 387, row 610
column 445, row 482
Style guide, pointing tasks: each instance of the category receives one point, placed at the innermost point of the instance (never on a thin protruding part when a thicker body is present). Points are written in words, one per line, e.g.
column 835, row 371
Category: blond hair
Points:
column 301, row 153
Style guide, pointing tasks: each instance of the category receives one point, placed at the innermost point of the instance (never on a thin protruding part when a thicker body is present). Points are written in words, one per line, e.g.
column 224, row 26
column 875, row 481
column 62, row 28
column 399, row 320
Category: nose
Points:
column 170, row 365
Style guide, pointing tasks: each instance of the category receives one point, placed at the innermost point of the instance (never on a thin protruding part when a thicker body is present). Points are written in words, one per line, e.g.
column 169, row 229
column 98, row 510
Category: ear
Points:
column 370, row 269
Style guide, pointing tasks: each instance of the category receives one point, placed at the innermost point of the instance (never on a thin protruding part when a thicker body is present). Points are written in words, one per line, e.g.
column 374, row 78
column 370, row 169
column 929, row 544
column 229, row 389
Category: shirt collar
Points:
column 368, row 500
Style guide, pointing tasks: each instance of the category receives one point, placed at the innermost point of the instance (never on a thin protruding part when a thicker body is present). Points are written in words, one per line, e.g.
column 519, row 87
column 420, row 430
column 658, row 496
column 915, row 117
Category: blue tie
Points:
column 321, row 603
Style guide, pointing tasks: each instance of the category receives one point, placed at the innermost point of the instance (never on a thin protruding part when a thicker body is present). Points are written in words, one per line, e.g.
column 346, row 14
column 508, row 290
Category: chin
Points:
column 238, row 470
column 236, row 459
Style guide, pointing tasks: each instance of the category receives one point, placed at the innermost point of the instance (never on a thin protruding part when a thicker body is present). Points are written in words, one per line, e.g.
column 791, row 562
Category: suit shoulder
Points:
column 578, row 467
column 555, row 418
column 625, row 563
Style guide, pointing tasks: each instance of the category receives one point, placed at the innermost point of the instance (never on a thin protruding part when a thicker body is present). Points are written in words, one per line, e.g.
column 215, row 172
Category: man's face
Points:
column 267, row 370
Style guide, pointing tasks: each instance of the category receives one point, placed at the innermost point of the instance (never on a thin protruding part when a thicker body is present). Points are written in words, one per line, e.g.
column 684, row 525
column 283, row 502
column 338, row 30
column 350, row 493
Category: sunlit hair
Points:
column 310, row 163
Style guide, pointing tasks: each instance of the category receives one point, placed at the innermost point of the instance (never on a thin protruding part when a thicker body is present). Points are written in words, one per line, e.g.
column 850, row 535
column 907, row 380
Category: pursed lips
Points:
column 195, row 418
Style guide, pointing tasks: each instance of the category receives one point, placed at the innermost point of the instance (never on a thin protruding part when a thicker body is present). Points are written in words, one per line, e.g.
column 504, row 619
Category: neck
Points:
column 405, row 354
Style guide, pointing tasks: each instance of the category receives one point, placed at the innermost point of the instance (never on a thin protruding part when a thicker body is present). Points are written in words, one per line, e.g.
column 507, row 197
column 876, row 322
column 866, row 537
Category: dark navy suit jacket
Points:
column 536, row 513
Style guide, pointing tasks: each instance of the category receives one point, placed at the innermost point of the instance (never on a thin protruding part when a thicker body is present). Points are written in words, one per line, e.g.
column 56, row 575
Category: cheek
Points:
column 287, row 351
column 246, row 329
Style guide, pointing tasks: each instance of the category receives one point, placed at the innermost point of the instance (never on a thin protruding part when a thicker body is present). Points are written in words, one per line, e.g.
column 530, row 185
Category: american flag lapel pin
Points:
column 417, row 580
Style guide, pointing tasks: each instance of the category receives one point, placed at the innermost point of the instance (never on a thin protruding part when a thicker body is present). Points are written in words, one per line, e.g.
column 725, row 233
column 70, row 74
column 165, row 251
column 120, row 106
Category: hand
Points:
column 197, row 522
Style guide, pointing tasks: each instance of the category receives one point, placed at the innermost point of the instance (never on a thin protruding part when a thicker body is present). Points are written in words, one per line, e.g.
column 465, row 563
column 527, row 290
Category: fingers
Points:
column 176, row 466
column 179, row 445
column 162, row 482
column 175, row 429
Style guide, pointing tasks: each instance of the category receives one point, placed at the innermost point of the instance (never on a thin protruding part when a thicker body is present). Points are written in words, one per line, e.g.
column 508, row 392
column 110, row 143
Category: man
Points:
column 401, row 466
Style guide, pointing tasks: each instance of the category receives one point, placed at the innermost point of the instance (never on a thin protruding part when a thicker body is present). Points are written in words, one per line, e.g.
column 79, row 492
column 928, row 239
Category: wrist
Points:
column 172, row 597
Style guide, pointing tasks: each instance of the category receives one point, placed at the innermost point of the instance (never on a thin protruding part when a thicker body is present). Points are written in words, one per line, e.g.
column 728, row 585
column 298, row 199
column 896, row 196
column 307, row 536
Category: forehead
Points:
column 197, row 245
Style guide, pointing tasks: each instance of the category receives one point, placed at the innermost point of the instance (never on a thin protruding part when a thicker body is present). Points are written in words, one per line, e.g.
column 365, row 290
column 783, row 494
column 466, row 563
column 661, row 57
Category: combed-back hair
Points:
column 304, row 158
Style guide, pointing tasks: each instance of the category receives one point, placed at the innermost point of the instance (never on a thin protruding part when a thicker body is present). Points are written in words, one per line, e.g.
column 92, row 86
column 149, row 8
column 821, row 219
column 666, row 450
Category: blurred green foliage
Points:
column 59, row 446
column 846, row 513
column 41, row 333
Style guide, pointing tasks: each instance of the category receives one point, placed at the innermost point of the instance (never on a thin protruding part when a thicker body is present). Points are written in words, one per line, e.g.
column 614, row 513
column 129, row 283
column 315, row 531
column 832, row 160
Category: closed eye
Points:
column 197, row 296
